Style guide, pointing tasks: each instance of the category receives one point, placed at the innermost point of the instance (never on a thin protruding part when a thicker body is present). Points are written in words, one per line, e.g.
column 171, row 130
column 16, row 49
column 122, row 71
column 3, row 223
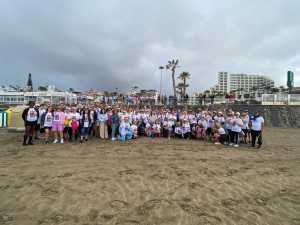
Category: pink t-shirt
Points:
column 59, row 117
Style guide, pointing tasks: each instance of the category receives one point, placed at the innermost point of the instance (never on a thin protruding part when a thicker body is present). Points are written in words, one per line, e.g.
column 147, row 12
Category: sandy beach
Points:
column 150, row 182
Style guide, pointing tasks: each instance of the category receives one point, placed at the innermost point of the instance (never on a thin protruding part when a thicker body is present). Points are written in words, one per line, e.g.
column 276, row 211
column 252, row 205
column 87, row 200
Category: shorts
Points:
column 84, row 131
column 57, row 127
column 245, row 131
column 32, row 124
column 47, row 128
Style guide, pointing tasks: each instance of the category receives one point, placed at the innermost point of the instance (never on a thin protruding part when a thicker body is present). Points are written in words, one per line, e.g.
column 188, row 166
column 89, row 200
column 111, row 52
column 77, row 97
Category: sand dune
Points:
column 150, row 182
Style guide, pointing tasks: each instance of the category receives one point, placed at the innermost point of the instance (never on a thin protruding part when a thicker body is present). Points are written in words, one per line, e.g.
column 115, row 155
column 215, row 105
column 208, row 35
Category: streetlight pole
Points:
column 160, row 91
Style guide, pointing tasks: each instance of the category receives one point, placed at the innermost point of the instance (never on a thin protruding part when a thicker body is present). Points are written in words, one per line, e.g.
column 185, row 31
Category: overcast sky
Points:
column 121, row 43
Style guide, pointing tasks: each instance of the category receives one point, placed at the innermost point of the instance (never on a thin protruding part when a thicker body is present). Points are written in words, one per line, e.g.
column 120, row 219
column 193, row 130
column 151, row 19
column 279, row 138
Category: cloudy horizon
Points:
column 120, row 44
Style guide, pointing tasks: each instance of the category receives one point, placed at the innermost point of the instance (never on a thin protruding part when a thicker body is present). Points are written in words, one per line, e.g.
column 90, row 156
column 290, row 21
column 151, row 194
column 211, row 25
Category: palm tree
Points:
column 172, row 65
column 184, row 76
column 180, row 89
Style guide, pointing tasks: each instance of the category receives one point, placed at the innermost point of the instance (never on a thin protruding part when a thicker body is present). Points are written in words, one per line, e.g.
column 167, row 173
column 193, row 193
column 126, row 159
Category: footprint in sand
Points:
column 203, row 216
column 230, row 203
column 5, row 218
column 118, row 205
column 92, row 215
column 126, row 172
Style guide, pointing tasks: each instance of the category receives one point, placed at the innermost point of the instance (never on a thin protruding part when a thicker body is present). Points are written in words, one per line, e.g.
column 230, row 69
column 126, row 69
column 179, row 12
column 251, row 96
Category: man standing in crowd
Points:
column 257, row 127
column 30, row 116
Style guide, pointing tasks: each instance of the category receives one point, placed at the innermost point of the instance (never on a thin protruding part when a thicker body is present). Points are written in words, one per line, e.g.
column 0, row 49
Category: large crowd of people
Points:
column 77, row 124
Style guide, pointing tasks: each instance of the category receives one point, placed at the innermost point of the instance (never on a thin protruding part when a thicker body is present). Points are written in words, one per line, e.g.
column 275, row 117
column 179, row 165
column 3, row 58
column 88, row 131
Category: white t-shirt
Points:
column 41, row 112
column 237, row 125
column 86, row 122
column 185, row 128
column 178, row 130
column 134, row 128
column 256, row 123
column 245, row 122
column 156, row 127
column 48, row 120
column 32, row 115
column 221, row 131
column 202, row 123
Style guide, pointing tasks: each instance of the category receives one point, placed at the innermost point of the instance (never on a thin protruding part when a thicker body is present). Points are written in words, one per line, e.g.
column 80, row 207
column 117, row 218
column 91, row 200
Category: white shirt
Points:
column 156, row 127
column 186, row 128
column 257, row 123
column 237, row 125
column 245, row 122
column 203, row 123
column 86, row 122
column 41, row 112
column 178, row 130
column 221, row 131
column 31, row 115
column 134, row 128
column 48, row 120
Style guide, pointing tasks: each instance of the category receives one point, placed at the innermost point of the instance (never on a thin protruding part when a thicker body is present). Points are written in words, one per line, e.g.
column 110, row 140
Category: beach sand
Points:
column 150, row 182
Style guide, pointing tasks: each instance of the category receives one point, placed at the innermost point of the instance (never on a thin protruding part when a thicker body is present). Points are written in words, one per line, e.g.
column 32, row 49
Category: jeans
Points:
column 256, row 135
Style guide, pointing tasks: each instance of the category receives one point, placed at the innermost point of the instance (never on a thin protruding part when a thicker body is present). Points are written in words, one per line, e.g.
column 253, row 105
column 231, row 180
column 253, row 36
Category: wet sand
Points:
column 150, row 182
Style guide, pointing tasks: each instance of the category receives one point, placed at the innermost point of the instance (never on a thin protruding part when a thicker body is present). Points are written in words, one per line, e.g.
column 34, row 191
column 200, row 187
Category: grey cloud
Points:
column 118, row 44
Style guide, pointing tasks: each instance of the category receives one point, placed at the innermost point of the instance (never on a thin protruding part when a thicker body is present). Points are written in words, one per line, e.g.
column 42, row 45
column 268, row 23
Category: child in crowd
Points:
column 125, row 132
column 74, row 128
column 134, row 129
column 178, row 130
column 186, row 129
column 148, row 130
column 156, row 129
column 220, row 136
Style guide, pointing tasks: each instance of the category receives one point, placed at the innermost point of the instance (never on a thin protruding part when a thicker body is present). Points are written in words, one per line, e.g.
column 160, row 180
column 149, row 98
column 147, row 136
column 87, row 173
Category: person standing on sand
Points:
column 257, row 128
column 46, row 122
column 58, row 124
column 236, row 129
column 102, row 121
column 114, row 121
column 30, row 116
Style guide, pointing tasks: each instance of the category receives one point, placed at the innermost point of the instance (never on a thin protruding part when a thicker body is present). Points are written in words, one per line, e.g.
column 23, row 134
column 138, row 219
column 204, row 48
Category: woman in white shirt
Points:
column 236, row 129
column 245, row 128
column 102, row 121
column 46, row 121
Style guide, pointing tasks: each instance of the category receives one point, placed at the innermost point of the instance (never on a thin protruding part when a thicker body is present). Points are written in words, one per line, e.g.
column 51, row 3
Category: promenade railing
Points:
column 281, row 99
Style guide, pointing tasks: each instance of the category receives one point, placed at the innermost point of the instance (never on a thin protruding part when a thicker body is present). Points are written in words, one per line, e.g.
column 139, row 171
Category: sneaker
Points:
column 231, row 144
column 81, row 141
column 55, row 141
column 236, row 146
column 217, row 143
column 113, row 139
column 62, row 141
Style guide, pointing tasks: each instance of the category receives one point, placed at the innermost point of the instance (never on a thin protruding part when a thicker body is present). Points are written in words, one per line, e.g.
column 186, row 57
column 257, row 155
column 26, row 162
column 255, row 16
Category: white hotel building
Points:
column 244, row 82
column 51, row 96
